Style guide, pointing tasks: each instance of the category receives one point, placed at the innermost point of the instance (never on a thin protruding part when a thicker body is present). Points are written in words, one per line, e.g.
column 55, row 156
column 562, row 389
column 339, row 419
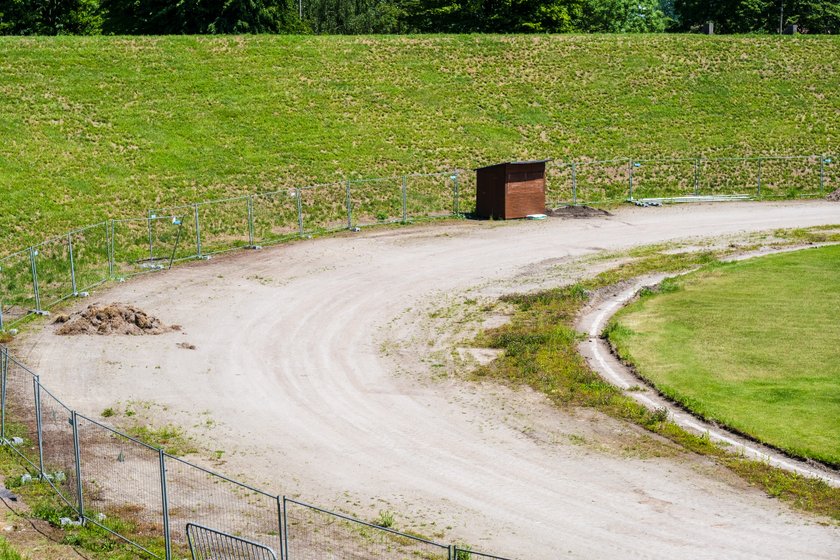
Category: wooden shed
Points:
column 510, row 190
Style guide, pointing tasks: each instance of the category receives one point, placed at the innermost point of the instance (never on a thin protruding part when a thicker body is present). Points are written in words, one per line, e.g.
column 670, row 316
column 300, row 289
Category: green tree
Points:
column 758, row 16
column 167, row 17
column 355, row 16
column 50, row 17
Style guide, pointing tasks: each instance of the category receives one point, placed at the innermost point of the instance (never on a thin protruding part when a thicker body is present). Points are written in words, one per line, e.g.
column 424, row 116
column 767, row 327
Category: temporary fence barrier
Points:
column 37, row 278
column 165, row 506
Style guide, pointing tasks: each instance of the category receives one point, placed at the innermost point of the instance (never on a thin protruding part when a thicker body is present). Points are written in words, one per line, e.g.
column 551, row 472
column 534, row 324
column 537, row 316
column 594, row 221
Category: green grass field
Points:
column 97, row 127
column 751, row 344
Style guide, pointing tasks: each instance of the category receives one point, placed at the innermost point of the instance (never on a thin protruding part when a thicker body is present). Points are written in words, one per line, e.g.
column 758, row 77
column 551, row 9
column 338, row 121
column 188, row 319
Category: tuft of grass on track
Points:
column 8, row 553
column 97, row 127
column 752, row 345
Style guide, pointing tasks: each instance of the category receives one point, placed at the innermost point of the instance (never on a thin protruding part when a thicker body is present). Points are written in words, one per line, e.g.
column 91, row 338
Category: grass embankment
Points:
column 540, row 350
column 98, row 127
column 752, row 345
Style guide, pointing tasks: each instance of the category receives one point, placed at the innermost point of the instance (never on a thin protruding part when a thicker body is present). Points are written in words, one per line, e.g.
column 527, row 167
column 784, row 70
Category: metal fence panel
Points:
column 90, row 255
column 58, row 447
column 17, row 292
column 560, row 179
column 275, row 216
column 20, row 423
column 602, row 181
column 317, row 534
column 52, row 259
column 829, row 174
column 196, row 495
column 208, row 544
column 466, row 192
column 174, row 235
column 789, row 177
column 147, row 244
column 376, row 201
column 121, row 479
column 665, row 178
column 223, row 225
column 722, row 176
column 324, row 207
column 432, row 195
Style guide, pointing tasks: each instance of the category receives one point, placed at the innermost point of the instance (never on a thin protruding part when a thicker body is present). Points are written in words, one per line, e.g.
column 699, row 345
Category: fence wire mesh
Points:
column 196, row 495
column 59, row 451
column 52, row 262
column 91, row 248
column 20, row 421
column 432, row 195
column 222, row 225
column 275, row 217
column 313, row 533
column 121, row 483
column 376, row 201
column 17, row 292
column 324, row 208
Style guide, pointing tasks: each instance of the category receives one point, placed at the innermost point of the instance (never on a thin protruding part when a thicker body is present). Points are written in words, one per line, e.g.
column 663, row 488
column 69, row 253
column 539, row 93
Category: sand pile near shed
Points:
column 112, row 319
column 576, row 212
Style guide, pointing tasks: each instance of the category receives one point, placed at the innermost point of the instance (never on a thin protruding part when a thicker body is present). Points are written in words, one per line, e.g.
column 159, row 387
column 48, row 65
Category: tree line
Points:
column 159, row 17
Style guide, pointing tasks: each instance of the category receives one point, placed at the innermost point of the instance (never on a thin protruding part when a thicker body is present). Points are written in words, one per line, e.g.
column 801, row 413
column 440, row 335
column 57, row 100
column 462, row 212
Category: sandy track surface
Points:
column 290, row 371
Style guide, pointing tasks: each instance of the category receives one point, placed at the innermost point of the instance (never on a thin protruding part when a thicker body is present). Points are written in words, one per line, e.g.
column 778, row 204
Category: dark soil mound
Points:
column 576, row 212
column 116, row 318
column 835, row 196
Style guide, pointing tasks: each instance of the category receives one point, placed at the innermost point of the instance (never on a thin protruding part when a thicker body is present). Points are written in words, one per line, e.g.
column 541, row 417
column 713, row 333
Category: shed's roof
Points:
column 513, row 163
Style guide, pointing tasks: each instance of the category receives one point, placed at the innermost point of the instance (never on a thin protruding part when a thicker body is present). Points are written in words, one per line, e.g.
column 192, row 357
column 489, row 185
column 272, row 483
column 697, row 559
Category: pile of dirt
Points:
column 576, row 212
column 116, row 318
column 835, row 196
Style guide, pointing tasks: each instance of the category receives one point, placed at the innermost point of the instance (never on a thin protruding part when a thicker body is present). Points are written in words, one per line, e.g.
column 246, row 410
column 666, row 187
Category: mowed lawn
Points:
column 754, row 345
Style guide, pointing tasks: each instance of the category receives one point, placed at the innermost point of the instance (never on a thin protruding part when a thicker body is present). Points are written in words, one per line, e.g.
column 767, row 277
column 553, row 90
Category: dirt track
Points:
column 291, row 369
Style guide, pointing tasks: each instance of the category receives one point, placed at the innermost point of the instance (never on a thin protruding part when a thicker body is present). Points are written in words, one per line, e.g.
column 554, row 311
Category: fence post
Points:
column 452, row 553
column 299, row 204
column 285, row 544
column 197, row 231
column 696, row 176
column 281, row 531
column 109, row 241
column 4, row 372
column 72, row 264
column 759, row 177
column 1, row 317
column 349, row 207
column 151, row 244
column 34, row 267
column 404, row 200
column 822, row 188
column 574, row 184
column 457, row 205
column 251, row 221
column 74, row 419
column 165, row 505
column 36, row 385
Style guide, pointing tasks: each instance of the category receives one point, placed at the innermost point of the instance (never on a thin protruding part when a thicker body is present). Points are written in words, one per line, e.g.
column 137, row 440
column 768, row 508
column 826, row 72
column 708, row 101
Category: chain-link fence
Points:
column 39, row 277
column 149, row 498
column 764, row 177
